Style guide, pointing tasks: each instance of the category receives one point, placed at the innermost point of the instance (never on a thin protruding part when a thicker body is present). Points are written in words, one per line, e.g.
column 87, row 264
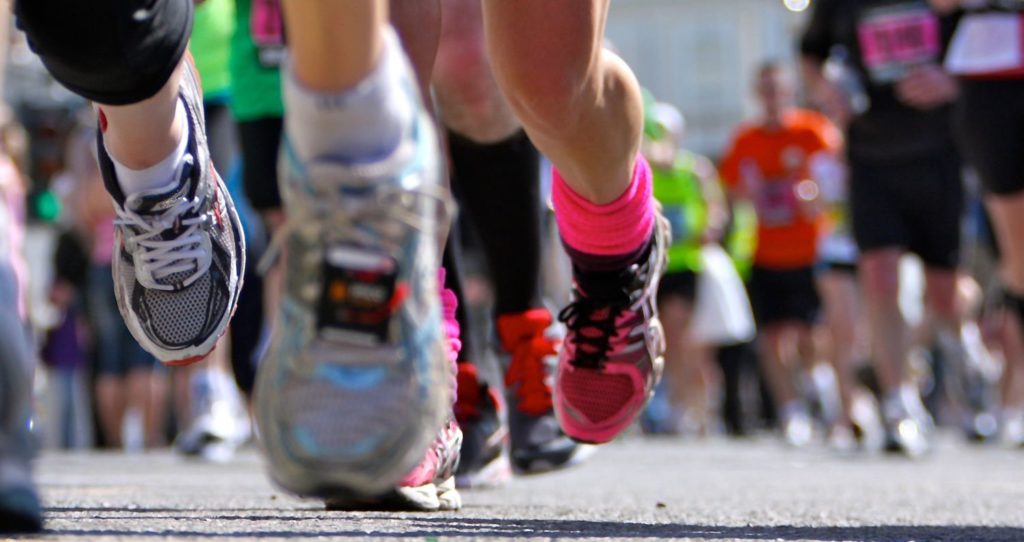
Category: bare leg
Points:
column 320, row 29
column 879, row 273
column 468, row 96
column 110, row 406
column 773, row 363
column 682, row 372
column 418, row 23
column 144, row 133
column 840, row 296
column 1008, row 220
column 579, row 103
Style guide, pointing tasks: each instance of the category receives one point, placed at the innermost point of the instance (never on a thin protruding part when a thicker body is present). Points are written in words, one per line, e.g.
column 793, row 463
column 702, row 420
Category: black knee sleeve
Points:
column 114, row 52
column 498, row 186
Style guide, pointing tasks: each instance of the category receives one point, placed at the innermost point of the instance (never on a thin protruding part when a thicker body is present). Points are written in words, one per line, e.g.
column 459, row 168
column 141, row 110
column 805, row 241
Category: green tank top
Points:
column 255, row 73
column 210, row 46
column 682, row 202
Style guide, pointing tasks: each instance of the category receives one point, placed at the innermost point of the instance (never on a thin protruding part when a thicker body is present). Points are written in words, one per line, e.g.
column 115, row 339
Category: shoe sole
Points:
column 544, row 465
column 15, row 514
column 496, row 473
column 433, row 497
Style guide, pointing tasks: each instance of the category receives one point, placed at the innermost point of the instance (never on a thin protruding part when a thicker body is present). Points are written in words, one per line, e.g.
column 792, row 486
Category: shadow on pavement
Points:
column 448, row 526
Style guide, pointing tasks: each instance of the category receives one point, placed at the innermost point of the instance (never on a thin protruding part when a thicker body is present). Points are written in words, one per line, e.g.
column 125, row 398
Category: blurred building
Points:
column 700, row 55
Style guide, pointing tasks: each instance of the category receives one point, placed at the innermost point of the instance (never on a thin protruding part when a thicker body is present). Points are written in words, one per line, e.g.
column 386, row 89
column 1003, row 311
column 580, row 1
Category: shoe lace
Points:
column 158, row 258
column 388, row 213
column 528, row 372
column 591, row 318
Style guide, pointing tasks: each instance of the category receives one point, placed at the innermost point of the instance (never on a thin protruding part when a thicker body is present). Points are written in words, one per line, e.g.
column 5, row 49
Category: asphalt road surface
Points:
column 639, row 489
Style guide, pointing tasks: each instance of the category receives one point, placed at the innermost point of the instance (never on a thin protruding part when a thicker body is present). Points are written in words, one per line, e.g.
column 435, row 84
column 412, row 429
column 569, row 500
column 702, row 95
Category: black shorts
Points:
column 260, row 142
column 830, row 266
column 784, row 295
column 915, row 205
column 681, row 284
column 990, row 125
column 114, row 52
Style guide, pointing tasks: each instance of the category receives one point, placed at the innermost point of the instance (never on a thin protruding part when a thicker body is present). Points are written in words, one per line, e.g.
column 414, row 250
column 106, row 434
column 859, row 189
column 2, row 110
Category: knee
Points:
column 941, row 297
column 110, row 52
column 468, row 97
column 880, row 277
column 545, row 90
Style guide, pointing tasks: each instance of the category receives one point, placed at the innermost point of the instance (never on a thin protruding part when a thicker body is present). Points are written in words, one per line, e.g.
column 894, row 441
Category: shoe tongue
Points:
column 157, row 200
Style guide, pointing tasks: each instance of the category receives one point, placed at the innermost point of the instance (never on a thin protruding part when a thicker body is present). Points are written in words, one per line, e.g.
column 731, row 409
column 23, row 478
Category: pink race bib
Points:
column 267, row 28
column 896, row 38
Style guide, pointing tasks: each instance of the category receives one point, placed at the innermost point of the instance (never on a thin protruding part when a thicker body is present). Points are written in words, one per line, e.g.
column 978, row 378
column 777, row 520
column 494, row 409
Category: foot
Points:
column 429, row 487
column 612, row 356
column 179, row 254
column 356, row 383
column 797, row 425
column 537, row 442
column 485, row 456
column 907, row 428
column 220, row 423
column 20, row 511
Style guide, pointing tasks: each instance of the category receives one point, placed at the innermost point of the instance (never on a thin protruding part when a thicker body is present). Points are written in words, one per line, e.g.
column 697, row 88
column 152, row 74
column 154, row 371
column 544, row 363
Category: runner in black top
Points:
column 905, row 181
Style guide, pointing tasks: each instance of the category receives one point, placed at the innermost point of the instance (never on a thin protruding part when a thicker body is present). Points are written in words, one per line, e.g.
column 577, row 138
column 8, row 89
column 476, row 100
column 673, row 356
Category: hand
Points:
column 944, row 6
column 927, row 87
column 833, row 101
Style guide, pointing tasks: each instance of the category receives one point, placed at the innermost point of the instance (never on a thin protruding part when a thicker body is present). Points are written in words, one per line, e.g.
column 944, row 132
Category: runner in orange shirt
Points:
column 770, row 163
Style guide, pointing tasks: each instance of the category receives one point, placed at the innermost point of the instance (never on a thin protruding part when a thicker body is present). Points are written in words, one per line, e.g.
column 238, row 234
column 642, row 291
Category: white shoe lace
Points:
column 157, row 258
column 391, row 210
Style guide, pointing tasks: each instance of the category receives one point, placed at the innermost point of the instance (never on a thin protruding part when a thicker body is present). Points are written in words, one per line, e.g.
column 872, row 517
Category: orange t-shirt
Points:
column 766, row 165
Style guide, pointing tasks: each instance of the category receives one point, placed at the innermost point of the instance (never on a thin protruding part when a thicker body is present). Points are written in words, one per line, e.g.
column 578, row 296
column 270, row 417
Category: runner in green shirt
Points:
column 687, row 187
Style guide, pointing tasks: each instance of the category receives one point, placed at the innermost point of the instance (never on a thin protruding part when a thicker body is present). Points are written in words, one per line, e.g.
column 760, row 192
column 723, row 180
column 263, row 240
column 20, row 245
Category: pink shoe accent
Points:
column 449, row 305
column 595, row 404
column 620, row 227
column 439, row 460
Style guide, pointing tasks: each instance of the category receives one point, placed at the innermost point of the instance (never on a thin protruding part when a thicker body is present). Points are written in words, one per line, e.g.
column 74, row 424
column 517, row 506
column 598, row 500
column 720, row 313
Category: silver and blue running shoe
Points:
column 179, row 251
column 356, row 383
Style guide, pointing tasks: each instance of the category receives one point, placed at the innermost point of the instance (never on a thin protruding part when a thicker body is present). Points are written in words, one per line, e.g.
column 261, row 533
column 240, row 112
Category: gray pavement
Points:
column 638, row 489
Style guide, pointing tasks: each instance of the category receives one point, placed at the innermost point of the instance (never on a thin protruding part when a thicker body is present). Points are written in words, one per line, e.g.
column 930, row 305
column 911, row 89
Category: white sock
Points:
column 165, row 172
column 363, row 123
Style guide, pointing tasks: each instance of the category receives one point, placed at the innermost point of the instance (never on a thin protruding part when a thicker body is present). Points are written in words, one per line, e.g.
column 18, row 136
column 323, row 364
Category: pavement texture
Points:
column 634, row 490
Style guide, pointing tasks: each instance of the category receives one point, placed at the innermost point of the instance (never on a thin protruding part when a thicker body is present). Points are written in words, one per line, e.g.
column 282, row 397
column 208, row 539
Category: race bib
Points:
column 267, row 28
column 896, row 38
column 776, row 204
column 987, row 44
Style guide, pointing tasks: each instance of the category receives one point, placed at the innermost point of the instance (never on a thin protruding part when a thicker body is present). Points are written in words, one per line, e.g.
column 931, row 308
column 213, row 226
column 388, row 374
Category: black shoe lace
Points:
column 592, row 316
column 585, row 316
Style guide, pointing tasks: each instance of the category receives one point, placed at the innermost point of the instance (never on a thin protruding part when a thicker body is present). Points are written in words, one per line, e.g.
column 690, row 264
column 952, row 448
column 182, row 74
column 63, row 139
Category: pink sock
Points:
column 606, row 237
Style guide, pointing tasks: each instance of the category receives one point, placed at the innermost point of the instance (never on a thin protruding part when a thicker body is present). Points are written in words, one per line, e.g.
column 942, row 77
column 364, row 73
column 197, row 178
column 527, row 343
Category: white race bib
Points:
column 986, row 43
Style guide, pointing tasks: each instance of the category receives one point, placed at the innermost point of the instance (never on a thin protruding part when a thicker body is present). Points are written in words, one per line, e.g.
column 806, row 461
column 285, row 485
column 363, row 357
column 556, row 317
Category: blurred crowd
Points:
column 832, row 278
